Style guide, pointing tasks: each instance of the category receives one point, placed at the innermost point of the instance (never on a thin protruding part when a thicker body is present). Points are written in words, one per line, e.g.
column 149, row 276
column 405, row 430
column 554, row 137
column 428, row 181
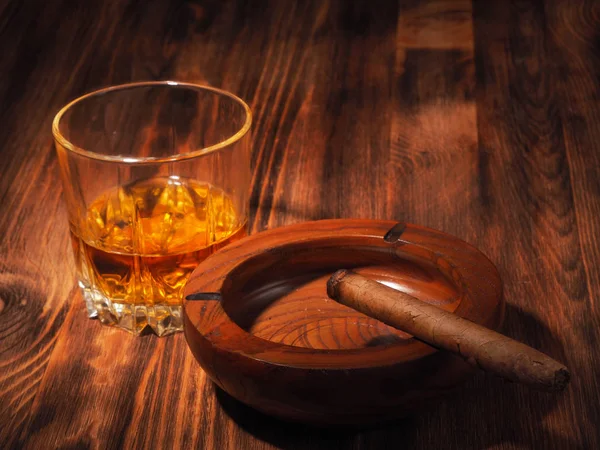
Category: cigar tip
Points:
column 561, row 379
column 332, row 283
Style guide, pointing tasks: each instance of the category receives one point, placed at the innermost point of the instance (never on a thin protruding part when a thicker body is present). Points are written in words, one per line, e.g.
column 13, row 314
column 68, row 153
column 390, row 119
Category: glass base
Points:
column 162, row 319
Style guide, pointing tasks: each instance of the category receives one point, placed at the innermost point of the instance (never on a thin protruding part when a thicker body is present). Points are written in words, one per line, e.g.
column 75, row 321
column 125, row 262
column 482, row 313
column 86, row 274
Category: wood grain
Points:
column 477, row 119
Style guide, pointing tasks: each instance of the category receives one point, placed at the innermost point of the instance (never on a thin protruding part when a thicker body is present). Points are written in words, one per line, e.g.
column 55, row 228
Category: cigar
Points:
column 479, row 346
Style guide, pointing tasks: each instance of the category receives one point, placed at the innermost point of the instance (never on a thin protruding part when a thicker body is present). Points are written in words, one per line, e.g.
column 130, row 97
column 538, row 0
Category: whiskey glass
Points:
column 155, row 178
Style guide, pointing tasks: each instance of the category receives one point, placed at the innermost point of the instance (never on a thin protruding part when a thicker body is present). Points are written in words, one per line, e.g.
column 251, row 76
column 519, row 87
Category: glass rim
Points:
column 68, row 145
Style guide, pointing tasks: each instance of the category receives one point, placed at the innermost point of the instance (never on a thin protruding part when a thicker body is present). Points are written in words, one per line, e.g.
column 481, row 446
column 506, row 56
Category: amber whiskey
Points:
column 139, row 244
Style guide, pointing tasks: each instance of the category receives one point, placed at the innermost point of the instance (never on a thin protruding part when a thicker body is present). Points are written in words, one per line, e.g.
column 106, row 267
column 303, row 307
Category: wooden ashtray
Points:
column 260, row 323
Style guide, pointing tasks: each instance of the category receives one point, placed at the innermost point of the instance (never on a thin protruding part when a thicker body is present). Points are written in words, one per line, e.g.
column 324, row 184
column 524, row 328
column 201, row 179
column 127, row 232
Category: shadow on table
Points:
column 297, row 436
column 486, row 412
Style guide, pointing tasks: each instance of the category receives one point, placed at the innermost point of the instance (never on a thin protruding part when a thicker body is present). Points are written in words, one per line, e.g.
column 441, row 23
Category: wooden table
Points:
column 479, row 119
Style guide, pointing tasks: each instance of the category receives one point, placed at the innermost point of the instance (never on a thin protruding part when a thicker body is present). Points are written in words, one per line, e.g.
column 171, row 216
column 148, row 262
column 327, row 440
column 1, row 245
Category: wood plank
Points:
column 433, row 152
column 436, row 25
column 36, row 272
column 573, row 36
column 529, row 212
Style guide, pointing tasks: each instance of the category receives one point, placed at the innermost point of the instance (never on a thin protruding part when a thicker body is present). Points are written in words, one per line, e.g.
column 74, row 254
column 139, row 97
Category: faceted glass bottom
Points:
column 162, row 319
